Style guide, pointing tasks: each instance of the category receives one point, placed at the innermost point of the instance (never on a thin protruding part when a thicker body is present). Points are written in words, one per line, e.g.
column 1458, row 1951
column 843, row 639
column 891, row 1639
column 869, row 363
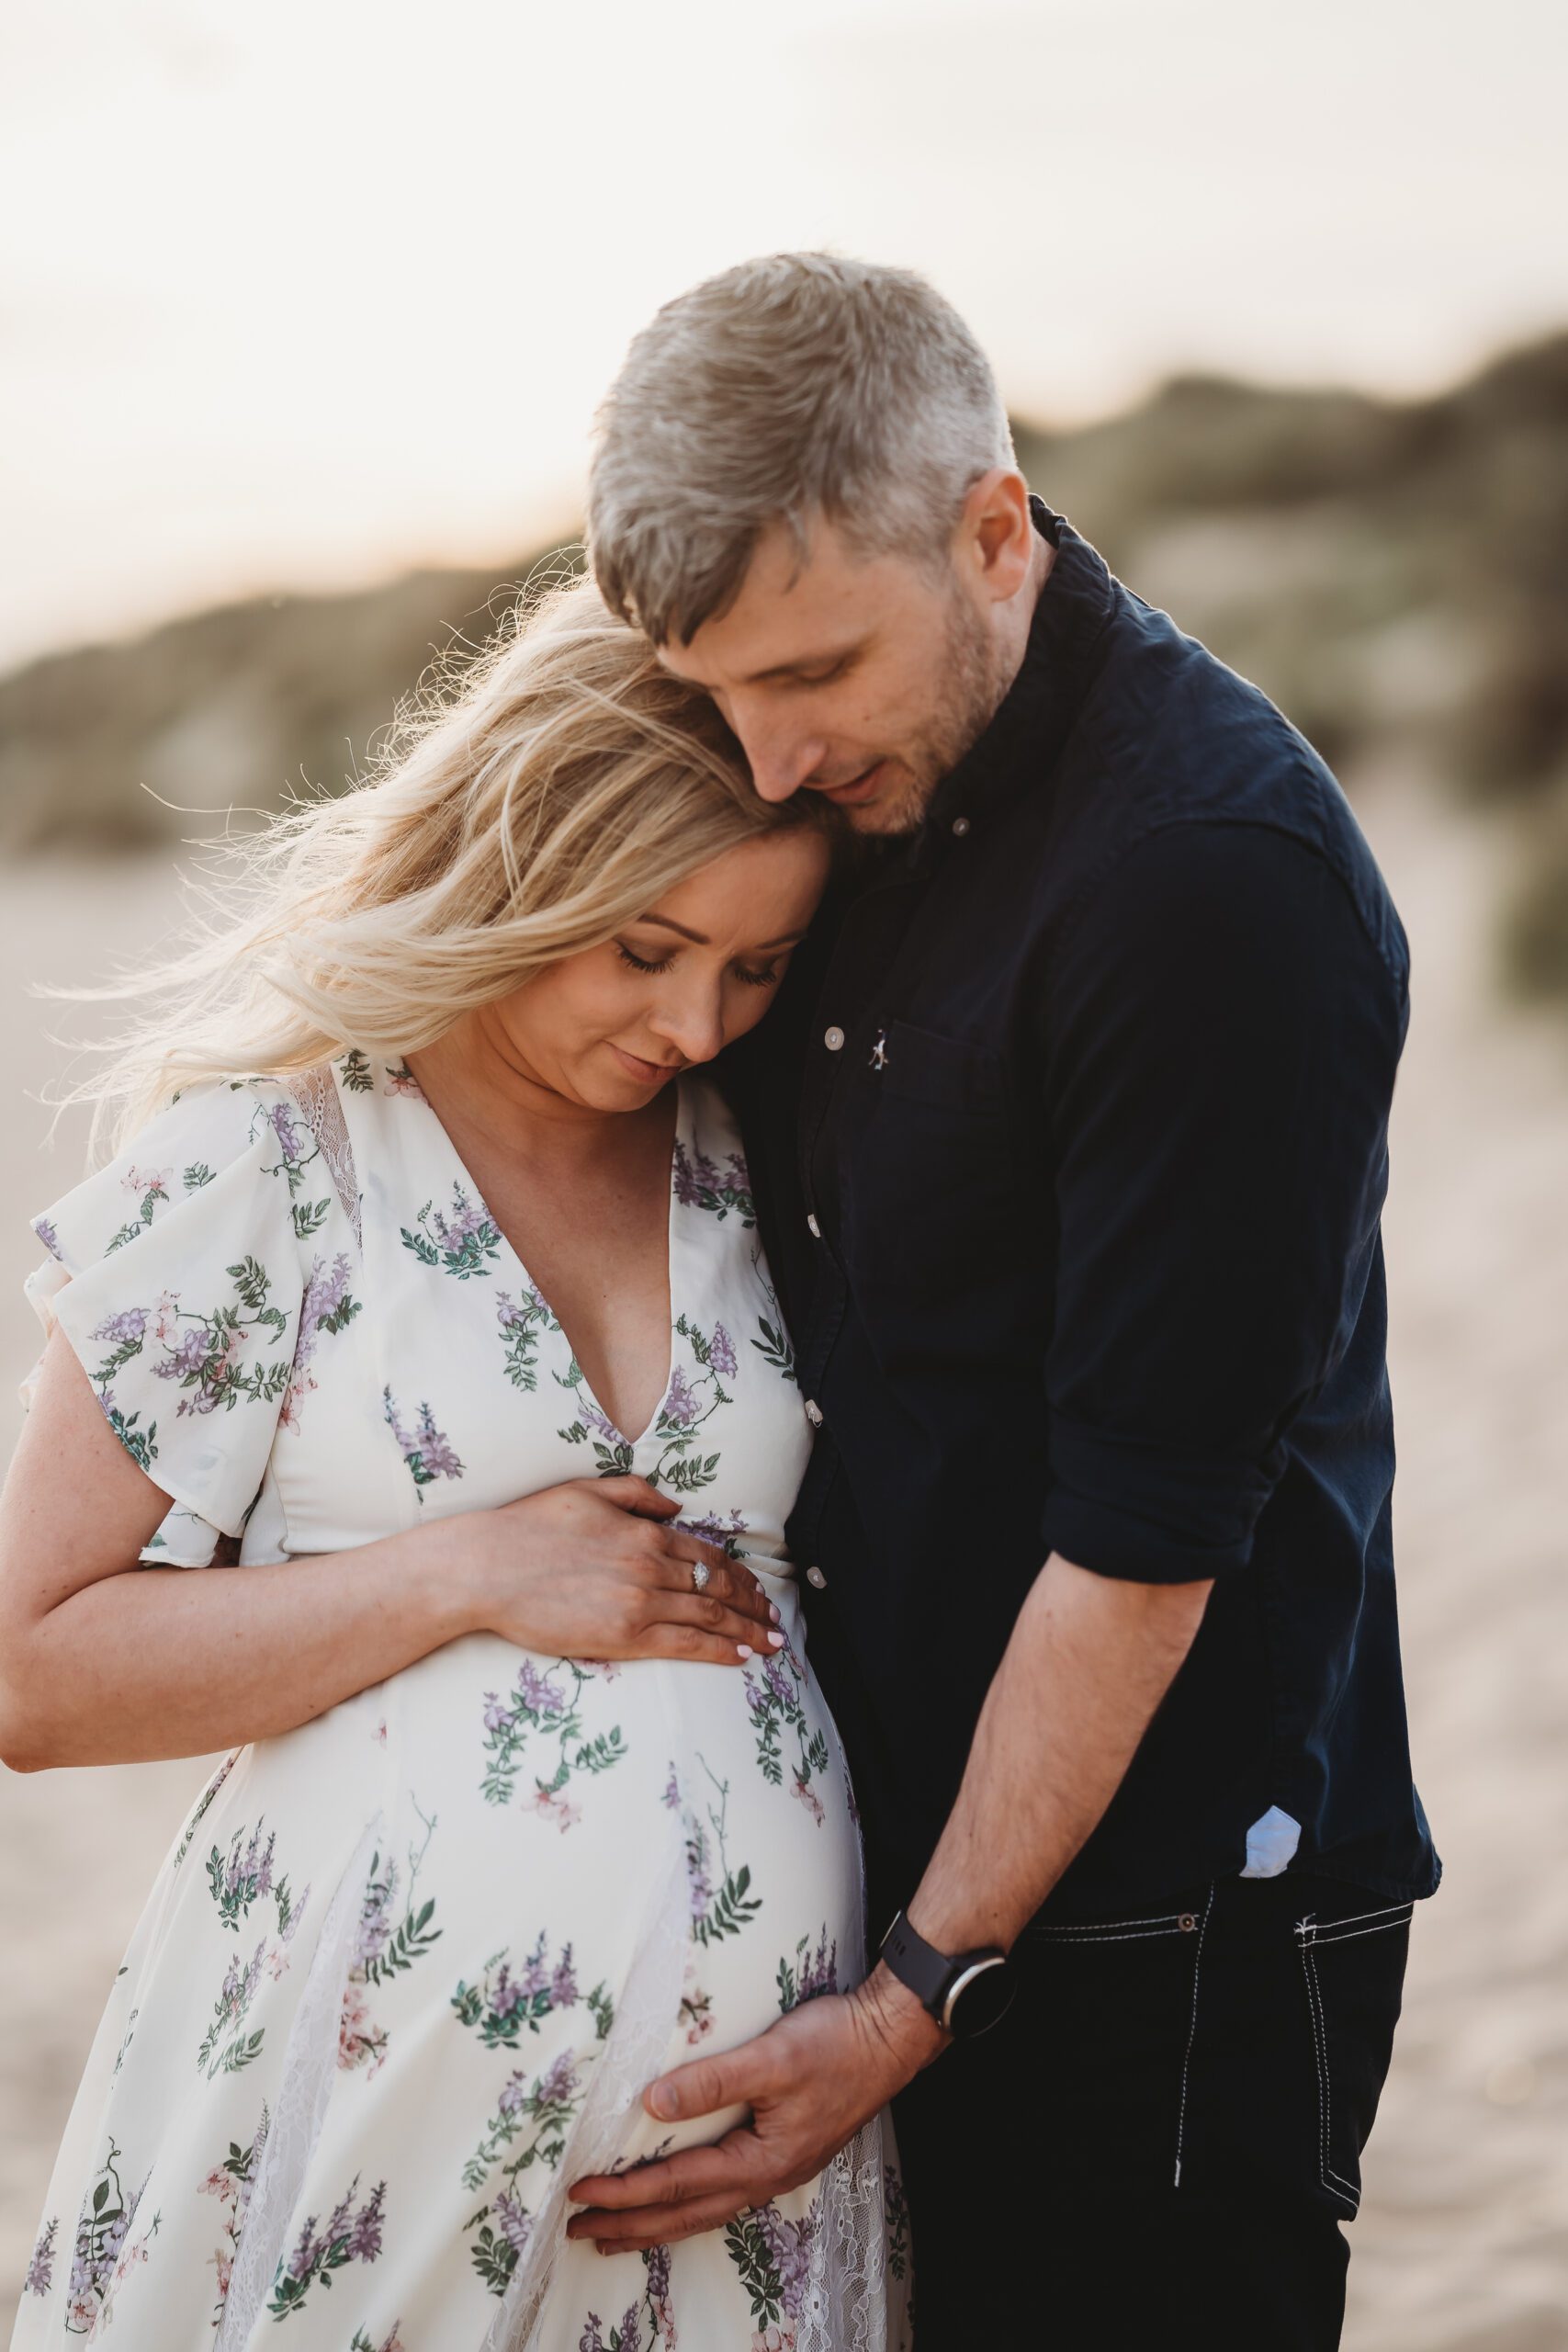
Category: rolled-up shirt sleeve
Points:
column 1223, row 1030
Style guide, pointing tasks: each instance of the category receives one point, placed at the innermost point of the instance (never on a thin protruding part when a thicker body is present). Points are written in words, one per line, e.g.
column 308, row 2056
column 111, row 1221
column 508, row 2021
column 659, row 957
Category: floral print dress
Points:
column 406, row 1969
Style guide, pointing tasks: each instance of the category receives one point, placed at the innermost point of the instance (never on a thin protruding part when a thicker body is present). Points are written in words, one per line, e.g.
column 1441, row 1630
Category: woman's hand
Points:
column 593, row 1570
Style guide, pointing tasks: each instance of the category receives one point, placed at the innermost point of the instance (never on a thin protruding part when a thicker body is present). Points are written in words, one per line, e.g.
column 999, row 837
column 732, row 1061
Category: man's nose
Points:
column 780, row 758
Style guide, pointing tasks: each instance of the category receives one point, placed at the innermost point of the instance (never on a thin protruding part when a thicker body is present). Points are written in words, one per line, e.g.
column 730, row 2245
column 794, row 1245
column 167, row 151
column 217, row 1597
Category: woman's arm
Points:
column 103, row 1661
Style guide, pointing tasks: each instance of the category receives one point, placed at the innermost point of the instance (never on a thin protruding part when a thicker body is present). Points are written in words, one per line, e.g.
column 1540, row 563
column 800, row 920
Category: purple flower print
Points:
column 779, row 1683
column 679, row 1406
column 41, row 2269
column 655, row 2286
column 700, row 1184
column 721, row 1352
column 537, row 1694
column 101, row 2255
column 696, row 1177
column 812, row 1972
column 349, row 2237
column 461, row 1245
column 46, row 1233
column 589, row 1413
column 557, row 2085
column 497, row 1715
column 516, row 2222
column 186, row 1356
column 285, row 1127
column 672, row 1792
column 563, row 1984
column 364, row 2238
column 428, row 1451
column 789, row 2245
column 326, row 1306
column 513, row 2095
column 124, row 1329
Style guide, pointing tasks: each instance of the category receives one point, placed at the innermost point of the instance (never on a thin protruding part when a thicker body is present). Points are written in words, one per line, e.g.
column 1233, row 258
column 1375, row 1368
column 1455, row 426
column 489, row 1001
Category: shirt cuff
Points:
column 1121, row 1508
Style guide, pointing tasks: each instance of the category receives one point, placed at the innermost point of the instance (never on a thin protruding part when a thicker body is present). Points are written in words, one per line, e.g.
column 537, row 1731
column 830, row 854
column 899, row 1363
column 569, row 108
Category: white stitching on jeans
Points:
column 1095, row 1935
column 1191, row 2034
column 1334, row 2182
column 1329, row 1935
column 1357, row 1916
column 1093, row 1927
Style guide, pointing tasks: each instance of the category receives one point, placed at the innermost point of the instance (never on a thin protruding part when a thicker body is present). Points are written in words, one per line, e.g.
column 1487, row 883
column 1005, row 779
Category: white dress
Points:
column 406, row 1970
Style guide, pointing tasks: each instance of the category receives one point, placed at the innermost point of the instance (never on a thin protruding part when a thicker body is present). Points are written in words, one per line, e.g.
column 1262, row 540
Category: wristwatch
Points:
column 965, row 1994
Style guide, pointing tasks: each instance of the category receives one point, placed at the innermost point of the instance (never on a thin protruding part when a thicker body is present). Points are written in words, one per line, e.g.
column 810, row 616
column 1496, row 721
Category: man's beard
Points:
column 966, row 702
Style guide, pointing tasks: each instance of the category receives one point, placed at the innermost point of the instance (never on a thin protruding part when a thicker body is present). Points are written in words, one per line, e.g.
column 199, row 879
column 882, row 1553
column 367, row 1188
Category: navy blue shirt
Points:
column 1069, row 1135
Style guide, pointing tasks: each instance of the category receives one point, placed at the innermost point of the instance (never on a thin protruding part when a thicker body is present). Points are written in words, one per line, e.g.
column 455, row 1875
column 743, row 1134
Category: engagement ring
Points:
column 700, row 1574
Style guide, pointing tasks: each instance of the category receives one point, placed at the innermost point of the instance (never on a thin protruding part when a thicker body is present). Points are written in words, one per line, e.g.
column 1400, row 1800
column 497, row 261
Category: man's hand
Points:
column 810, row 2081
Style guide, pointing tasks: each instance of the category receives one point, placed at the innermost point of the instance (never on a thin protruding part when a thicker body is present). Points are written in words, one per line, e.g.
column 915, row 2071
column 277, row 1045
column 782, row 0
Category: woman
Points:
column 530, row 1789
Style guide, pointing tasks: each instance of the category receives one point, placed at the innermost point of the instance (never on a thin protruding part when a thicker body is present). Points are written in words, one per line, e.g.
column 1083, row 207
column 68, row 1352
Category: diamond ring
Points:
column 700, row 1575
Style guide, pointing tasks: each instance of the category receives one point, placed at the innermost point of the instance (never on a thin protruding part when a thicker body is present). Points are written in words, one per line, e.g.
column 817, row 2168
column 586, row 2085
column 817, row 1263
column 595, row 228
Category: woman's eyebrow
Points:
column 700, row 939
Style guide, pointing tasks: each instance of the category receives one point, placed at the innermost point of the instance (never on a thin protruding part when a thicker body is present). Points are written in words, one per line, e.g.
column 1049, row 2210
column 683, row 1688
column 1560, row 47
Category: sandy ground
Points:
column 1462, row 2244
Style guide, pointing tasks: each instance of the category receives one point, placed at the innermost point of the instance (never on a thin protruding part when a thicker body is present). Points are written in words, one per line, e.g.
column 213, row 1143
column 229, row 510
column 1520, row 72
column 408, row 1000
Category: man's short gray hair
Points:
column 795, row 385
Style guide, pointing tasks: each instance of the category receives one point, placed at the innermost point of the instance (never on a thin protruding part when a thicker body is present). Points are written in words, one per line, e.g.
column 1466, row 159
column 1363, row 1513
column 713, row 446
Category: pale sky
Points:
column 294, row 296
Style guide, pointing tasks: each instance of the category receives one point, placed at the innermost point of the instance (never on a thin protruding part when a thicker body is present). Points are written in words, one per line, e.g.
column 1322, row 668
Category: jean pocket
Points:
column 1352, row 1969
column 1122, row 1995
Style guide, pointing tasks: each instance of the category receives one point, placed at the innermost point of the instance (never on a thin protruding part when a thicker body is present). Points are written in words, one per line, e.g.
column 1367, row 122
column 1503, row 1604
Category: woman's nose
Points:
column 694, row 1025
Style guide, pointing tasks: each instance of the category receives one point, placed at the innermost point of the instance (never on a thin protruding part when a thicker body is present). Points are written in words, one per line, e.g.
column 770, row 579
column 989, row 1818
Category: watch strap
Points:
column 930, row 1974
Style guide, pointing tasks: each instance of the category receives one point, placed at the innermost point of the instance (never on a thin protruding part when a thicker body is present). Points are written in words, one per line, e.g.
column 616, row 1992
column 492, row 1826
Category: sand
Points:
column 1463, row 2242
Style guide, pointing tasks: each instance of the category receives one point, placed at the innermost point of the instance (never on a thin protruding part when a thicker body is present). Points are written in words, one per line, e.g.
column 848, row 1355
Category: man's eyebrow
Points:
column 699, row 939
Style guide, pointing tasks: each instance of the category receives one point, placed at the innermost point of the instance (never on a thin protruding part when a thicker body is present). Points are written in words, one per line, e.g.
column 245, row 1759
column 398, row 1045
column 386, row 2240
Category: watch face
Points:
column 982, row 1996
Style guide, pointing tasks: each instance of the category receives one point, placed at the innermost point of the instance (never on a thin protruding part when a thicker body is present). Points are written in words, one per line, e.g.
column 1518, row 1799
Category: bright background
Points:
column 296, row 294
column 295, row 300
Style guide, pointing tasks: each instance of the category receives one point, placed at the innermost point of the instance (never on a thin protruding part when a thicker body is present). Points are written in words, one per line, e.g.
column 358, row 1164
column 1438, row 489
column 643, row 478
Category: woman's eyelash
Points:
column 640, row 964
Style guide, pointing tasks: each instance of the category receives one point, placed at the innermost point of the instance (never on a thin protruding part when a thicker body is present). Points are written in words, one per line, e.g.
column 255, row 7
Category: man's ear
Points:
column 995, row 533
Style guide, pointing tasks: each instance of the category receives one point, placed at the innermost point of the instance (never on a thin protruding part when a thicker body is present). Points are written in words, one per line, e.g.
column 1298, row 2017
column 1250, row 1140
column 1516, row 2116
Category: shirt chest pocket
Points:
column 930, row 1174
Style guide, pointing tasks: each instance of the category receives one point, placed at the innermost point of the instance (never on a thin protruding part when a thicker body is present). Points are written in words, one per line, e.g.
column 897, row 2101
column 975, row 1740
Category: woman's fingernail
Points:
column 777, row 1640
column 773, row 1613
column 743, row 1650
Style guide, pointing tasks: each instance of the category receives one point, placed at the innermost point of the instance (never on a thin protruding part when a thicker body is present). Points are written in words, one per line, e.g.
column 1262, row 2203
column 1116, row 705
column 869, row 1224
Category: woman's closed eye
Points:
column 765, row 979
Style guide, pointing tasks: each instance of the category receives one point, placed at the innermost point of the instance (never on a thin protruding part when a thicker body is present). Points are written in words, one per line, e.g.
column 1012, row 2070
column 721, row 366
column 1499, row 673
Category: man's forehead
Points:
column 796, row 609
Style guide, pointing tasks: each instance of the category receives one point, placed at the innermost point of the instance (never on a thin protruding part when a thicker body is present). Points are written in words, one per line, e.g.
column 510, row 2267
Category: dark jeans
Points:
column 1159, row 2141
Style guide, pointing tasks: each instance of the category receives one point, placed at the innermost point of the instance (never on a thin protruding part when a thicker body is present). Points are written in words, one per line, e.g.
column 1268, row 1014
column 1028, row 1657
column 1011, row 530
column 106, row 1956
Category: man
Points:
column 1070, row 1141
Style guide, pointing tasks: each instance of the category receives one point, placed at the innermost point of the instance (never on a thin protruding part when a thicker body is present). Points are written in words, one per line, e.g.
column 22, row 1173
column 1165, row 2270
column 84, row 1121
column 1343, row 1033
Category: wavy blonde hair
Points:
column 555, row 792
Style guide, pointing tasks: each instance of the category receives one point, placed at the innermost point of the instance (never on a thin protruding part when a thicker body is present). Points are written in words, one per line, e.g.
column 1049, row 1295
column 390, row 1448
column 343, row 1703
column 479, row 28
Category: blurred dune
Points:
column 1393, row 574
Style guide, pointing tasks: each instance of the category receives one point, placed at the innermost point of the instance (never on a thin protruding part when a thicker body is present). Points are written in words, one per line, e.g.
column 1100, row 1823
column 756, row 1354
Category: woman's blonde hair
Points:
column 563, row 785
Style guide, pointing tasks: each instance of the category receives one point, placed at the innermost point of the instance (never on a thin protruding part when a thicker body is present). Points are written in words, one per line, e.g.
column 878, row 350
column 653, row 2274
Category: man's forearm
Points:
column 1089, row 1660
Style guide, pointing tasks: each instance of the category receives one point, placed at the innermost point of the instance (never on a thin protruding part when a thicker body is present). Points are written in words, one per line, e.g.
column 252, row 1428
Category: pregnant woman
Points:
column 416, row 1422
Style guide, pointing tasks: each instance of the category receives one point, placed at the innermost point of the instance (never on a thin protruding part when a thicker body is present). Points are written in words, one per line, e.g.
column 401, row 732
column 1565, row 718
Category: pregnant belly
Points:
column 537, row 1825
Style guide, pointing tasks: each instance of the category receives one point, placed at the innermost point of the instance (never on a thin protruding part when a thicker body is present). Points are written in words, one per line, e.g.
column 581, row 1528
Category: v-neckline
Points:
column 612, row 1426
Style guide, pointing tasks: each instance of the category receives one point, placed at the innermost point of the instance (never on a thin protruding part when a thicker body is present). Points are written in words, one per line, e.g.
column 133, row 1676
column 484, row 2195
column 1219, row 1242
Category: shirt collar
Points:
column 1022, row 740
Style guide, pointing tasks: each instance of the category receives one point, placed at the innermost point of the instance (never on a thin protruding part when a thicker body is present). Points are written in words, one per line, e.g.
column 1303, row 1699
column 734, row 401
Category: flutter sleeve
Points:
column 176, row 1274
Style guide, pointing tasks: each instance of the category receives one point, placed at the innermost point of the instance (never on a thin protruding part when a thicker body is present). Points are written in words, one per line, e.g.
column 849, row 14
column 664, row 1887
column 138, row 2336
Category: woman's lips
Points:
column 646, row 1073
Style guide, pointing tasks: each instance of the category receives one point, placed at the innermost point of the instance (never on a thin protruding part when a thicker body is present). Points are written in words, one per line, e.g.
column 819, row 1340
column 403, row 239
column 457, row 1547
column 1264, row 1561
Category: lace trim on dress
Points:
column 315, row 1090
column 310, row 2061
column 631, row 2057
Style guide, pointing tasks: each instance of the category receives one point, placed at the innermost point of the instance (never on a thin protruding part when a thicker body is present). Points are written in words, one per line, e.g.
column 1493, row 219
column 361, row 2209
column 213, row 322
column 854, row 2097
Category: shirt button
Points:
column 814, row 1577
column 961, row 826
column 833, row 1038
column 814, row 1412
column 813, row 1229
